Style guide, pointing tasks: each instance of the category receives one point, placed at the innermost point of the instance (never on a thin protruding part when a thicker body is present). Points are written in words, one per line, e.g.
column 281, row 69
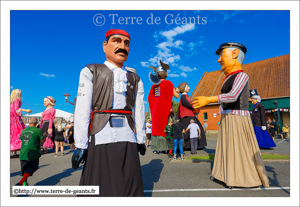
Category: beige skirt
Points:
column 238, row 161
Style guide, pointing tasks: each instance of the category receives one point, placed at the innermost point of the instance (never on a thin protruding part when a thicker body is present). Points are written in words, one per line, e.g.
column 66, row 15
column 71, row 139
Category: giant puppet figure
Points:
column 237, row 161
column 107, row 136
column 160, row 102
column 186, row 113
column 258, row 117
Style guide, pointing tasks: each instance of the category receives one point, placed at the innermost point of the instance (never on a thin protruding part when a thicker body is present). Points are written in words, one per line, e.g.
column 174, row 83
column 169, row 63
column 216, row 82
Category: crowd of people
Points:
column 109, row 144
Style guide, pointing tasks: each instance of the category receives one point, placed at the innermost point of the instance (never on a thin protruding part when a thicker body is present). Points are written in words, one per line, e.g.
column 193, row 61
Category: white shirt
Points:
column 193, row 130
column 108, row 134
column 148, row 129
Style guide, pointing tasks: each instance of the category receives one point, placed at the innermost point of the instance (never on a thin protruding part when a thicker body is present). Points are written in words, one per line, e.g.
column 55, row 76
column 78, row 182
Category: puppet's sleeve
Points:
column 185, row 102
column 82, row 115
column 139, row 114
column 238, row 86
column 52, row 116
column 263, row 115
column 17, row 104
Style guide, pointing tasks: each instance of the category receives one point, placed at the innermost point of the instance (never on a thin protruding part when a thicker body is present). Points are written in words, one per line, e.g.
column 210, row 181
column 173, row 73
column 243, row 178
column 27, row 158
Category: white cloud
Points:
column 178, row 43
column 165, row 56
column 167, row 48
column 173, row 75
column 183, row 74
column 47, row 75
column 185, row 68
column 164, row 45
column 177, row 30
column 227, row 15
column 11, row 87
column 145, row 64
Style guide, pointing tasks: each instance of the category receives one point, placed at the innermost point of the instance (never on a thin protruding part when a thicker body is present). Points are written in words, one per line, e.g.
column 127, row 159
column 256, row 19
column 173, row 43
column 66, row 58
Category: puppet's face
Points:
column 252, row 100
column 187, row 89
column 227, row 60
column 46, row 102
column 116, row 49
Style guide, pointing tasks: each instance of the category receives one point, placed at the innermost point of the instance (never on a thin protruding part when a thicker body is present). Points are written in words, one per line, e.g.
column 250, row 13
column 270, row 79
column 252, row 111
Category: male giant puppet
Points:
column 107, row 136
column 238, row 161
column 160, row 102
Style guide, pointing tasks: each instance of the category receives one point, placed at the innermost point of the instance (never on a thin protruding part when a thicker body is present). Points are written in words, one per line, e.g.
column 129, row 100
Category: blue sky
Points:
column 49, row 48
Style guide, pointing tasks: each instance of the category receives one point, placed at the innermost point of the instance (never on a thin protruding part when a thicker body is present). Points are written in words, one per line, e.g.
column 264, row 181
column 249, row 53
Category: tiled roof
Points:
column 270, row 77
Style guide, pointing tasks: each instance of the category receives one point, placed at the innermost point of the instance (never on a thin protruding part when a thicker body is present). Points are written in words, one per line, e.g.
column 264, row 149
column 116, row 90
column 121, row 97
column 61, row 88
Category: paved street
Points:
column 166, row 178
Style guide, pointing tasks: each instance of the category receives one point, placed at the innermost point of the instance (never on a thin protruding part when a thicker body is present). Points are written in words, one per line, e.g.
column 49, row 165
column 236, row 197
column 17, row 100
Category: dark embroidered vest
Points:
column 242, row 103
column 103, row 80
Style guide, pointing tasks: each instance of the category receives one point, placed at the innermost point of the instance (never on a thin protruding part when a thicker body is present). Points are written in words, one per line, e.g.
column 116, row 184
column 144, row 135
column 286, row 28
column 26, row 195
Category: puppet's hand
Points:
column 200, row 101
column 50, row 131
column 263, row 128
column 79, row 156
column 142, row 149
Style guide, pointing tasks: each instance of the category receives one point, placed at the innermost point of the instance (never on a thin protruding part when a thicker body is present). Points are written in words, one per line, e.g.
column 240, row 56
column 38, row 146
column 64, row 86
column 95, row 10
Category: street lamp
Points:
column 67, row 97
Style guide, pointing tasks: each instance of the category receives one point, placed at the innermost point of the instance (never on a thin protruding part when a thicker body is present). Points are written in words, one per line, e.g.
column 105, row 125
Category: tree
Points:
column 175, row 105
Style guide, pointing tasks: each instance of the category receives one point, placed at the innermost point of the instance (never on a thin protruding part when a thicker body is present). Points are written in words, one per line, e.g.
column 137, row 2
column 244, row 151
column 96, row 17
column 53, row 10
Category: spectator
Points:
column 178, row 137
column 169, row 130
column 275, row 126
column 285, row 132
column 38, row 124
column 148, row 131
column 59, row 140
column 194, row 134
column 63, row 124
column 66, row 129
column 30, row 150
column 205, row 126
column 27, row 124
column 71, row 137
column 270, row 127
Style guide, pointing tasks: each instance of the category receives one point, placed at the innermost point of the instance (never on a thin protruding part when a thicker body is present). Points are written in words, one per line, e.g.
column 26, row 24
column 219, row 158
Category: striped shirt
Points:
column 237, row 87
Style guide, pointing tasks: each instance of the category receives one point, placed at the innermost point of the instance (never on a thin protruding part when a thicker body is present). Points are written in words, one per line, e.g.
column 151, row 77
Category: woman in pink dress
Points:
column 16, row 123
column 47, row 124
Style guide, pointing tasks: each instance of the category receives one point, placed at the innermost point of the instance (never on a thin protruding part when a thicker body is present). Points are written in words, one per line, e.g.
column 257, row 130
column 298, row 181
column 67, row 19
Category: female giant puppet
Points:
column 47, row 124
column 16, row 123
column 160, row 102
column 186, row 113
column 258, row 117
column 238, row 161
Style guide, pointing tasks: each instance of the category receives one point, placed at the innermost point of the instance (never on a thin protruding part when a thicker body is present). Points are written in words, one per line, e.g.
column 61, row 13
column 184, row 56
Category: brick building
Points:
column 271, row 79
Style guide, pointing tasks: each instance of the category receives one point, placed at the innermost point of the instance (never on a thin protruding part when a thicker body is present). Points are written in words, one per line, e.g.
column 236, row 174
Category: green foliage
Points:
column 175, row 105
column 264, row 156
column 202, row 157
column 275, row 157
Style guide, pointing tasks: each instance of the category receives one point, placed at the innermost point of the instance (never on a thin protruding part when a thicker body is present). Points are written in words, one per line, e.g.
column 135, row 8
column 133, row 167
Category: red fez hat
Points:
column 115, row 32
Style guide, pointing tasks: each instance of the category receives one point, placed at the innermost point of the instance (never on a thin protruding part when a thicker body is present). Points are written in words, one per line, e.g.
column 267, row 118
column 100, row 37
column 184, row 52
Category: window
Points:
column 205, row 116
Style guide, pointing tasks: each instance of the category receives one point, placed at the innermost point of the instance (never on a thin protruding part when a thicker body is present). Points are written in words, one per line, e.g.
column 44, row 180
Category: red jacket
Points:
column 185, row 107
column 160, row 102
